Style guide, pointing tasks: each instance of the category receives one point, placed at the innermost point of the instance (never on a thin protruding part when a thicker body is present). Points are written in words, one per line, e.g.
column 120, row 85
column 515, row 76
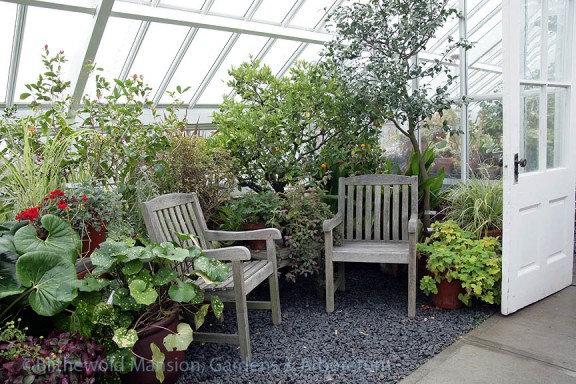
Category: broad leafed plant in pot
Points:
column 461, row 265
column 132, row 301
column 252, row 211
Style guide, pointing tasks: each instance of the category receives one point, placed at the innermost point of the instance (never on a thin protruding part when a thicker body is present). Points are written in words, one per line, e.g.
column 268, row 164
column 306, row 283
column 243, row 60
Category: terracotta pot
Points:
column 493, row 233
column 156, row 334
column 92, row 239
column 447, row 296
column 257, row 245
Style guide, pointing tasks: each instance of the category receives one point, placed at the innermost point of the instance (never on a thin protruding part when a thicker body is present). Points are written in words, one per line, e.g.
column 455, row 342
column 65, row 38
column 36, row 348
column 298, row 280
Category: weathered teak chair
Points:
column 181, row 213
column 377, row 222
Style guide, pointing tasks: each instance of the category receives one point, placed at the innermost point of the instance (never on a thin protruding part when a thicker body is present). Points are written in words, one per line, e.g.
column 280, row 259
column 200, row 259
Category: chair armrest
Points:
column 228, row 254
column 258, row 234
column 413, row 224
column 332, row 223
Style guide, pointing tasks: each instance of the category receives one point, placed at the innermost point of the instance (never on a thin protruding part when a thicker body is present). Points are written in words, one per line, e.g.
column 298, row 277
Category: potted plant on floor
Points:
column 461, row 267
column 135, row 309
column 477, row 206
column 252, row 211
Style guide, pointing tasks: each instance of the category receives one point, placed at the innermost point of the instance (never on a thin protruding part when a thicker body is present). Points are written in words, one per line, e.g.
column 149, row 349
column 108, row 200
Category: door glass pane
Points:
column 557, row 37
column 531, row 39
column 529, row 123
column 556, row 126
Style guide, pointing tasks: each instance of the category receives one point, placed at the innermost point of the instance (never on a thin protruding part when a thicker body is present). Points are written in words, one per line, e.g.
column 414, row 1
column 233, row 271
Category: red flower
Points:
column 62, row 204
column 84, row 197
column 28, row 214
column 56, row 193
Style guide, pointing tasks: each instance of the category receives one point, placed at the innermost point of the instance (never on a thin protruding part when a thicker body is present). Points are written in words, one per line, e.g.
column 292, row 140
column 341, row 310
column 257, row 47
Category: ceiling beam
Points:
column 218, row 23
column 82, row 72
column 82, row 6
column 19, row 25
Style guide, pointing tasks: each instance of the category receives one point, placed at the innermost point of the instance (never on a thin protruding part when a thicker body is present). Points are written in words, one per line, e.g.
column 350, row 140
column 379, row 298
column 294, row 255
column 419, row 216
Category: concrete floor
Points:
column 535, row 345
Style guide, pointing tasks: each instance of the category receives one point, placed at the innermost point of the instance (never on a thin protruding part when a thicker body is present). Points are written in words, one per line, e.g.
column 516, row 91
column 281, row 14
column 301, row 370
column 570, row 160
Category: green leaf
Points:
column 201, row 315
column 125, row 338
column 210, row 269
column 24, row 96
column 132, row 267
column 217, row 307
column 61, row 239
column 157, row 362
column 50, row 277
column 142, row 292
column 164, row 276
column 169, row 251
column 183, row 292
column 9, row 284
column 90, row 284
column 180, row 340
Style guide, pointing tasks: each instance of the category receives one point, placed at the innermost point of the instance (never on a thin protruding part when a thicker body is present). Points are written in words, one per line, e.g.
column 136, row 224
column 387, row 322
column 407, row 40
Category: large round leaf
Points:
column 9, row 284
column 50, row 277
column 61, row 239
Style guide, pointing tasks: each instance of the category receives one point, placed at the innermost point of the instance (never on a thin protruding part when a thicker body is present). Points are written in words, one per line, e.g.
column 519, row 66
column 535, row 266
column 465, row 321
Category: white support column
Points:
column 19, row 26
column 464, row 92
column 80, row 73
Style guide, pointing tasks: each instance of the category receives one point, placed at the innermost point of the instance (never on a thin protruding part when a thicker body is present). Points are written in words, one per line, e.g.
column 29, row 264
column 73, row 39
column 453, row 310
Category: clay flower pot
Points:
column 92, row 239
column 257, row 245
column 447, row 296
column 156, row 334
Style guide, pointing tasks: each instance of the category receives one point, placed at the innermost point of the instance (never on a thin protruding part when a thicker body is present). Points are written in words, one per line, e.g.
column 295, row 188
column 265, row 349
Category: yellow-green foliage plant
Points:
column 455, row 254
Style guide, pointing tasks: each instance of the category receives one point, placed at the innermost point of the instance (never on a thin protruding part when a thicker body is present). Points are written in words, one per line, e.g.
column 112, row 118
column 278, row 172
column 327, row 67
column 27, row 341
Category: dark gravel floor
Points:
column 368, row 339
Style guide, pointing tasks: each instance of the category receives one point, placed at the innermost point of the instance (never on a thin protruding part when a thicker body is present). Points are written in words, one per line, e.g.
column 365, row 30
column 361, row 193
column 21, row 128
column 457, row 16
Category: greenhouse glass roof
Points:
column 195, row 42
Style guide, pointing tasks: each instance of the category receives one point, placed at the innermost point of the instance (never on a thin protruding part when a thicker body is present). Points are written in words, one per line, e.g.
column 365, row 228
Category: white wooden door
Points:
column 538, row 127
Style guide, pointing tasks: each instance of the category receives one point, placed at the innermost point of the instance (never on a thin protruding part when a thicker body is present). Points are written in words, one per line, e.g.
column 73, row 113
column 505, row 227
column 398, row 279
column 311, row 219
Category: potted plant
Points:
column 252, row 211
column 61, row 357
column 476, row 205
column 460, row 266
column 135, row 309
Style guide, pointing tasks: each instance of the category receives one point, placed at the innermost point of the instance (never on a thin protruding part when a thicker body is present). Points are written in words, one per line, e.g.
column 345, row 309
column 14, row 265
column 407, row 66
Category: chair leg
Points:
column 412, row 288
column 241, row 311
column 275, row 298
column 342, row 276
column 329, row 287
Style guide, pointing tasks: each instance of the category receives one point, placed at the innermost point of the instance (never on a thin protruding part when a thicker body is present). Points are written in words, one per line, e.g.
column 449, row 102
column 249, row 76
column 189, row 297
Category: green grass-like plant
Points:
column 476, row 205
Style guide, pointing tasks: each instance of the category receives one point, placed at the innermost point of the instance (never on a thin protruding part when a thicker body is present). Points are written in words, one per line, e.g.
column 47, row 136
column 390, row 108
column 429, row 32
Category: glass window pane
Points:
column 558, row 33
column 113, row 50
column 447, row 144
column 311, row 13
column 61, row 31
column 157, row 52
column 486, row 140
column 280, row 52
column 311, row 53
column 183, row 4
column 236, row 8
column 273, row 11
column 197, row 61
column 246, row 46
column 556, row 126
column 7, row 18
column 529, row 127
column 531, row 39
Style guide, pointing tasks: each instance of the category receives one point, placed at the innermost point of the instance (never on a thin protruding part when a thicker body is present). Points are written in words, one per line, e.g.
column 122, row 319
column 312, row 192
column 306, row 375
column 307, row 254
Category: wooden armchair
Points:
column 377, row 221
column 180, row 212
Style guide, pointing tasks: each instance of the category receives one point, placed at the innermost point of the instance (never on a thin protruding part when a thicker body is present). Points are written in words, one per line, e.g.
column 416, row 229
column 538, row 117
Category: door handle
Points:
column 522, row 163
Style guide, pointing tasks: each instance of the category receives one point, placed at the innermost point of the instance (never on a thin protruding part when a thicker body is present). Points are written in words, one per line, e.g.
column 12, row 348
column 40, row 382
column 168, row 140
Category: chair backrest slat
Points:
column 377, row 213
column 386, row 213
column 359, row 210
column 395, row 212
column 350, row 213
column 377, row 207
column 368, row 214
column 166, row 215
column 404, row 211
